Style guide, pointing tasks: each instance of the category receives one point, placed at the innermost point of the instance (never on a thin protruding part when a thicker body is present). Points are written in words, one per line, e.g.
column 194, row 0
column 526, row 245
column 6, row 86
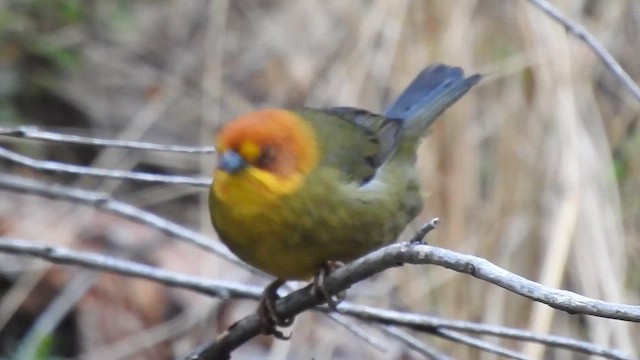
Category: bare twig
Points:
column 356, row 330
column 398, row 254
column 429, row 323
column 106, row 203
column 31, row 132
column 479, row 344
column 304, row 299
column 420, row 347
column 600, row 51
column 61, row 255
column 45, row 165
column 424, row 230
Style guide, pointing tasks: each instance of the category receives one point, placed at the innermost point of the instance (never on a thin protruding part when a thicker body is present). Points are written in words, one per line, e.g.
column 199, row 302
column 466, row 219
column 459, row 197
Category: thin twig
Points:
column 61, row 255
column 600, row 51
column 415, row 344
column 430, row 323
column 32, row 132
column 424, row 230
column 44, row 165
column 357, row 330
column 106, row 203
column 479, row 344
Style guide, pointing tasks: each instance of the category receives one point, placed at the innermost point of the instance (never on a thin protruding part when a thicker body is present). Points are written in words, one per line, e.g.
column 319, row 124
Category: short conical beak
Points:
column 231, row 162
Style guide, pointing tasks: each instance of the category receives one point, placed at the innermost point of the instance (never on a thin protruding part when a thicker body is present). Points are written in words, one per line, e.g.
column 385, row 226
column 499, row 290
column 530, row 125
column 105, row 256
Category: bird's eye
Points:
column 266, row 157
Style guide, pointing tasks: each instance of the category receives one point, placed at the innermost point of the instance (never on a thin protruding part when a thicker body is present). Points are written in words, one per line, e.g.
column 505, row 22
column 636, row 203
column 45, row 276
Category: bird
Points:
column 297, row 192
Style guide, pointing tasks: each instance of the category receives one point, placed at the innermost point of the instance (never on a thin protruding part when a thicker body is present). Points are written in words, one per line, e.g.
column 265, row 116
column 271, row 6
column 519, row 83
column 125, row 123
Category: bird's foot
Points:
column 268, row 313
column 318, row 284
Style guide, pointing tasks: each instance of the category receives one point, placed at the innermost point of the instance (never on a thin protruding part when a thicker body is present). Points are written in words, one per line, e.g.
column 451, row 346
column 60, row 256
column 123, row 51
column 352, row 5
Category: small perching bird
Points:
column 297, row 191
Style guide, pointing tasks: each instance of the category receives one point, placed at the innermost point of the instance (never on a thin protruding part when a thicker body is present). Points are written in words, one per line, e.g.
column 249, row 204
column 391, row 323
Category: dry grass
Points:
column 522, row 171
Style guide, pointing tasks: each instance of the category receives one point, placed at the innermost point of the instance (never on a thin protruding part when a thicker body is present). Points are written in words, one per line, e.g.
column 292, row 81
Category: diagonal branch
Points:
column 32, row 132
column 89, row 260
column 479, row 344
column 399, row 254
column 417, row 345
column 304, row 299
column 600, row 51
column 434, row 324
column 104, row 202
column 44, row 165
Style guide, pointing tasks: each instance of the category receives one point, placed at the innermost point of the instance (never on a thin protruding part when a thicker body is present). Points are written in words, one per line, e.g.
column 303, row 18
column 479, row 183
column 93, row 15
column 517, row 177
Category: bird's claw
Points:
column 318, row 284
column 268, row 314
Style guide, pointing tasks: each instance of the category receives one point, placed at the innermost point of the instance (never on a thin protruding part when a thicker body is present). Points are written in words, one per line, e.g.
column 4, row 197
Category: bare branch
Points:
column 424, row 230
column 61, row 255
column 415, row 344
column 44, row 165
column 429, row 323
column 399, row 254
column 106, row 203
column 300, row 300
column 600, row 51
column 32, row 132
column 356, row 330
column 479, row 344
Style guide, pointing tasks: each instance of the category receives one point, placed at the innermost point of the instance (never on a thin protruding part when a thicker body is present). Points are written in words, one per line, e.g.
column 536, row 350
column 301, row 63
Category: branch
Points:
column 399, row 254
column 434, row 324
column 104, row 202
column 300, row 300
column 452, row 336
column 600, row 51
column 31, row 132
column 478, row 344
column 61, row 255
column 415, row 344
column 219, row 289
column 45, row 165
column 356, row 330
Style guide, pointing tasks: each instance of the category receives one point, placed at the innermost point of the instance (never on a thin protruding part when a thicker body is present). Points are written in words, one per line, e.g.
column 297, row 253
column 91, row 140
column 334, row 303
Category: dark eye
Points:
column 267, row 156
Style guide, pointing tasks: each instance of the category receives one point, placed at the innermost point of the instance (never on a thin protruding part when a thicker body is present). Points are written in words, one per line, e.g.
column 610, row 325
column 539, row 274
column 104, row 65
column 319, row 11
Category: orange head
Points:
column 263, row 155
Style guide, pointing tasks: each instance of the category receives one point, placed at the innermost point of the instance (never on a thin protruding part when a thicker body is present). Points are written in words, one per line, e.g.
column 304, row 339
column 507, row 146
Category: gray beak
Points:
column 231, row 162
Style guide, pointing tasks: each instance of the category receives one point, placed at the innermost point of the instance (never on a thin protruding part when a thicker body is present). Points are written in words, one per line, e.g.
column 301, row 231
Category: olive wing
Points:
column 354, row 141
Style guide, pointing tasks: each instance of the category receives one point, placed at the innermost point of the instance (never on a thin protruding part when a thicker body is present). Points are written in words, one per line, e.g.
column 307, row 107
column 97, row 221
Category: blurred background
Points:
column 537, row 169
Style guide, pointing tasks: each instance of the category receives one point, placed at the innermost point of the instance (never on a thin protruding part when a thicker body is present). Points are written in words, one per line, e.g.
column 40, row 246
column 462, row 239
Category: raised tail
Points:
column 435, row 89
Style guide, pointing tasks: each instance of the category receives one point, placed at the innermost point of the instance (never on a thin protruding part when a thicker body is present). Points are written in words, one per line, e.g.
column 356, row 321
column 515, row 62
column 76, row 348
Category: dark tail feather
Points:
column 435, row 89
